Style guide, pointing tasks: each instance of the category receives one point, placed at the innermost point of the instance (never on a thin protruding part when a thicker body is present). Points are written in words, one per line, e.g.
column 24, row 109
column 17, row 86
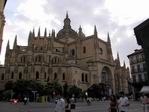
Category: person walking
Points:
column 60, row 105
column 123, row 103
column 68, row 105
column 113, row 104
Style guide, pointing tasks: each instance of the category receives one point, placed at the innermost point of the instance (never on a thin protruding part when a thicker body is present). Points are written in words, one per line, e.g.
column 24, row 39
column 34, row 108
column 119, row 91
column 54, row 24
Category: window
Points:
column 82, row 77
column 49, row 59
column 2, row 77
column 146, row 77
column 45, row 75
column 144, row 67
column 55, row 76
column 12, row 75
column 20, row 75
column 140, row 78
column 63, row 76
column 84, row 50
column 37, row 75
column 134, row 78
column 138, row 68
column 72, row 52
column 100, row 51
column 86, row 78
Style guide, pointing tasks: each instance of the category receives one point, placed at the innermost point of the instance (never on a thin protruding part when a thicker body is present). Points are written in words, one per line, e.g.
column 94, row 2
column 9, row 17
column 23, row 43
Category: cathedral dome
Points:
column 67, row 31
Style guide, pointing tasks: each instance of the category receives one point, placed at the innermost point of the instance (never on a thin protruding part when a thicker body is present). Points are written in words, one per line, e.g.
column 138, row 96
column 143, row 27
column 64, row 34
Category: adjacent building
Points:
column 68, row 56
column 138, row 69
column 142, row 33
column 2, row 20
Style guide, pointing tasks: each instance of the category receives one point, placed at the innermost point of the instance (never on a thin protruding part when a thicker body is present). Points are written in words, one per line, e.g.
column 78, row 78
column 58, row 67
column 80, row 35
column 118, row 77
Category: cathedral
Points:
column 68, row 57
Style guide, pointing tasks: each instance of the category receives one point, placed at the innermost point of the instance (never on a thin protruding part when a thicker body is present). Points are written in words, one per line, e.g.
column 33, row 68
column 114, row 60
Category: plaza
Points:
column 96, row 106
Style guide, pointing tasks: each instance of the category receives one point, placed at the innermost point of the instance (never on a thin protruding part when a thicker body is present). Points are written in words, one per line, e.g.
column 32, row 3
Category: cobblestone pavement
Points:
column 49, row 107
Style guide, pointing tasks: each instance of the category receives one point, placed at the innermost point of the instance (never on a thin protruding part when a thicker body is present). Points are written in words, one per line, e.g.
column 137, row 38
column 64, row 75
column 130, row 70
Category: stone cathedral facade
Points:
column 67, row 56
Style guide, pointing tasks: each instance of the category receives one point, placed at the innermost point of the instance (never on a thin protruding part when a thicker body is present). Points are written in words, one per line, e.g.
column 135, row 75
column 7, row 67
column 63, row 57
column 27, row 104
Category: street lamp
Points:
column 34, row 93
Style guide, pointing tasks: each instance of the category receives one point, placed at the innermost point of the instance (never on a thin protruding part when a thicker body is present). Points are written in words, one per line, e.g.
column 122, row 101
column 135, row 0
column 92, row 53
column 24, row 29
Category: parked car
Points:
column 13, row 101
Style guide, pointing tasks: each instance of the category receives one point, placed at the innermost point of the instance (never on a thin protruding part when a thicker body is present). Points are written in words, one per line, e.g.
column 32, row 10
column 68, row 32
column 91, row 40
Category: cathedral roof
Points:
column 67, row 31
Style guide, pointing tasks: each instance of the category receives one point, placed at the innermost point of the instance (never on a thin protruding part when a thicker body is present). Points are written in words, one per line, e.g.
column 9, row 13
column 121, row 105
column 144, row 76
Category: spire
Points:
column 124, row 65
column 30, row 34
column 33, row 33
column 67, row 22
column 118, row 56
column 108, row 38
column 53, row 33
column 80, row 29
column 67, row 15
column 39, row 32
column 118, row 59
column 15, row 42
column 95, row 31
column 45, row 33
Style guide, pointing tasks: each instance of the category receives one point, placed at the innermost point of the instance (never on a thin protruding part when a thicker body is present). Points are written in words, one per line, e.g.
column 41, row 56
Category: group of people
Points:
column 63, row 105
column 120, row 105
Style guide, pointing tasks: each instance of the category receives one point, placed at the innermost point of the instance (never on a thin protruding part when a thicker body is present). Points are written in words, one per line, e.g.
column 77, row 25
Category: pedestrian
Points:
column 142, row 100
column 25, row 100
column 145, row 102
column 113, row 104
column 68, row 105
column 123, row 103
column 60, row 105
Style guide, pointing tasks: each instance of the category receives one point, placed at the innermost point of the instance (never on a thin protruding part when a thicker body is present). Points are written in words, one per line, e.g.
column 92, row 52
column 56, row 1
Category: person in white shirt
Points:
column 60, row 105
column 123, row 103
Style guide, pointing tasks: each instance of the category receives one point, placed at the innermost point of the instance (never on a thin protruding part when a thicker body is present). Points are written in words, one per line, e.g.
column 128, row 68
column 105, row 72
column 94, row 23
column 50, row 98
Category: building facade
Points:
column 67, row 56
column 138, row 70
column 2, row 20
column 142, row 33
column 122, row 76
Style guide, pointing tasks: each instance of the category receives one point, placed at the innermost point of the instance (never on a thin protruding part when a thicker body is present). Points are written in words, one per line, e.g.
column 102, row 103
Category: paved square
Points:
column 49, row 107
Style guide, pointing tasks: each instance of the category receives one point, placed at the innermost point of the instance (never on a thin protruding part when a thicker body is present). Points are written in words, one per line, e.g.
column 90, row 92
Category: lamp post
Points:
column 34, row 93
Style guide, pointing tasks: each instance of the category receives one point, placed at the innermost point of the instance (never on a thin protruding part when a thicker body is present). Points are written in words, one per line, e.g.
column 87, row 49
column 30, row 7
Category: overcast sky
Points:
column 118, row 17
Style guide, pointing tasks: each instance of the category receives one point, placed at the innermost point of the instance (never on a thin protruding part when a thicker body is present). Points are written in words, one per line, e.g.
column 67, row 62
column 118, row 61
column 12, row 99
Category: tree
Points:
column 9, row 85
column 74, row 90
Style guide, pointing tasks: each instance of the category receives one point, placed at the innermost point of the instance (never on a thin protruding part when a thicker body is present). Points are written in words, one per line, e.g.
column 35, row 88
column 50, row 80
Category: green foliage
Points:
column 74, row 90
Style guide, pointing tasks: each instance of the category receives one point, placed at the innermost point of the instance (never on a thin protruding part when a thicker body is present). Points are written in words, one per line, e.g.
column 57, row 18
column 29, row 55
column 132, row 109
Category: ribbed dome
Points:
column 66, row 32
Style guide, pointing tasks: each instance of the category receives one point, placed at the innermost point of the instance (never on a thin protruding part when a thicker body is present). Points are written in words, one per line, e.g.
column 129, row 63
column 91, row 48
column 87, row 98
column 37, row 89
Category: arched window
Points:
column 2, row 77
column 63, row 76
column 55, row 76
column 84, row 49
column 45, row 75
column 20, row 75
column 86, row 78
column 82, row 77
column 39, row 58
column 72, row 52
column 12, row 75
column 37, row 75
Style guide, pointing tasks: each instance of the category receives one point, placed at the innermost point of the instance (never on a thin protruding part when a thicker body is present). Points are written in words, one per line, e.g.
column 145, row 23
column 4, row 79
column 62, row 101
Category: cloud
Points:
column 113, row 16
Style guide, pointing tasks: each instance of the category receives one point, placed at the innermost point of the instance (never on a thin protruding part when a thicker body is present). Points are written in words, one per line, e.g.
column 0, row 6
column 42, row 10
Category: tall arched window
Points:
column 63, row 76
column 45, row 75
column 82, row 77
column 2, row 77
column 20, row 75
column 84, row 49
column 55, row 76
column 37, row 75
column 86, row 78
column 12, row 75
